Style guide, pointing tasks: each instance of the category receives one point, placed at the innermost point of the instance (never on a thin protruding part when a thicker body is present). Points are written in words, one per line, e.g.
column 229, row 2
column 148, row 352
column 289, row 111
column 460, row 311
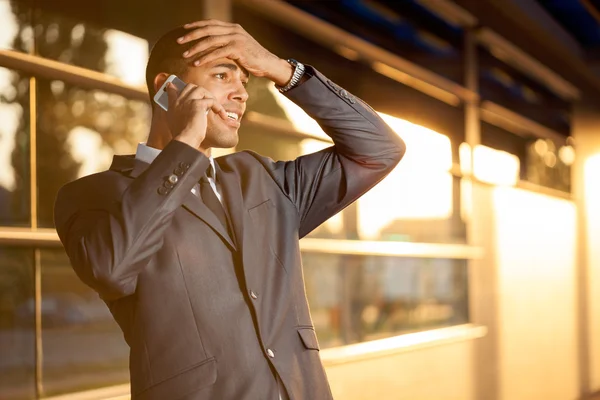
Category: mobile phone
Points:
column 162, row 97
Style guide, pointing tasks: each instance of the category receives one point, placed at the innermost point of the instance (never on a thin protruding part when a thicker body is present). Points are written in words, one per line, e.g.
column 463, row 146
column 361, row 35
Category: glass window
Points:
column 420, row 200
column 406, row 28
column 382, row 93
column 542, row 161
column 16, row 32
column 549, row 164
column 83, row 346
column 509, row 87
column 413, row 207
column 359, row 298
column 14, row 149
column 501, row 139
column 17, row 324
column 263, row 99
column 86, row 45
column 78, row 131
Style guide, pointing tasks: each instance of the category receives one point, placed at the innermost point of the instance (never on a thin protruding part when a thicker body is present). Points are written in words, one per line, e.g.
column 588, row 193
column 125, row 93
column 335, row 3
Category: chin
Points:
column 226, row 141
column 218, row 137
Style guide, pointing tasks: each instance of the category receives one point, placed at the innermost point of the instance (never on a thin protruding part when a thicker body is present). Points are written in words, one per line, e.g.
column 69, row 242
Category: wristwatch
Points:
column 296, row 76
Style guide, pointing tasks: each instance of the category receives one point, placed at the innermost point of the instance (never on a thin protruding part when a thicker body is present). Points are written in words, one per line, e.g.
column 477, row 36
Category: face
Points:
column 227, row 83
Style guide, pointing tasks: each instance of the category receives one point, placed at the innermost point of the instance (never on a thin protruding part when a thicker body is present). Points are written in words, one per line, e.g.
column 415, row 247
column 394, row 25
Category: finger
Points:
column 198, row 93
column 215, row 106
column 218, row 109
column 223, row 52
column 210, row 30
column 184, row 94
column 208, row 43
column 172, row 93
column 186, row 90
column 208, row 104
column 207, row 22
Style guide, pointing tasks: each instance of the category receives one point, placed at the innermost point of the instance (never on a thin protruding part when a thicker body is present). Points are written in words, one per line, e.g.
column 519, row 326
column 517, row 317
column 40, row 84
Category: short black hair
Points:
column 167, row 56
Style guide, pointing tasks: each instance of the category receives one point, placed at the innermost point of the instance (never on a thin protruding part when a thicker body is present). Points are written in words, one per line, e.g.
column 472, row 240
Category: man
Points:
column 198, row 259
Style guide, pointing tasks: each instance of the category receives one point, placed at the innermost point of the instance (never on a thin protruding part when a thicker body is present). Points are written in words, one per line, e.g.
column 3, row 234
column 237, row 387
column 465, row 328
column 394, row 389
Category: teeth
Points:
column 232, row 116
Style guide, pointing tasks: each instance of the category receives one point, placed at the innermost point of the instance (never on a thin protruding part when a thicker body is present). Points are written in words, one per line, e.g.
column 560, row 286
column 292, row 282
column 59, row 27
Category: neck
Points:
column 160, row 135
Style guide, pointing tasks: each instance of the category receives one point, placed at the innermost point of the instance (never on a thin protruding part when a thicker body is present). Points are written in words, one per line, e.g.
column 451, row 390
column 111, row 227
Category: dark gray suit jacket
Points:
column 208, row 315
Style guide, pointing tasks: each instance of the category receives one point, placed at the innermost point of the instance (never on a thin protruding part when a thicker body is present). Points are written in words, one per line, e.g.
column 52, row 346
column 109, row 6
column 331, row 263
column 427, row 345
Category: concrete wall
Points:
column 536, row 299
column 442, row 372
column 592, row 212
column 586, row 181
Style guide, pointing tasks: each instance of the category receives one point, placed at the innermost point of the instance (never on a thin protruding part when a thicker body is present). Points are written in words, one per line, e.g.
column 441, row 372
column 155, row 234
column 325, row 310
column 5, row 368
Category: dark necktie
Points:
column 210, row 199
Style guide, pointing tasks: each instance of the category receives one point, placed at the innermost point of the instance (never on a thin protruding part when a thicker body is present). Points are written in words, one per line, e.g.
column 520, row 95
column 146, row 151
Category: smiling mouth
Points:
column 233, row 116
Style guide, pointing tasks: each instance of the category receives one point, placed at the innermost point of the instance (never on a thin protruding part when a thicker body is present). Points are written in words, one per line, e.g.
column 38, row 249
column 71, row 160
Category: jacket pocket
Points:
column 264, row 216
column 309, row 338
column 195, row 378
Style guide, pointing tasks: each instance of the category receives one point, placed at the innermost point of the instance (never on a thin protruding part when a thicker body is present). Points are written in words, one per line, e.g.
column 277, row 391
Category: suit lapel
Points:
column 231, row 185
column 232, row 200
column 191, row 203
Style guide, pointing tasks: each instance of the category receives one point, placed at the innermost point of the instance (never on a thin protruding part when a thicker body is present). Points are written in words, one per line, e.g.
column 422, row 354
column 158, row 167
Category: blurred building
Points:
column 471, row 272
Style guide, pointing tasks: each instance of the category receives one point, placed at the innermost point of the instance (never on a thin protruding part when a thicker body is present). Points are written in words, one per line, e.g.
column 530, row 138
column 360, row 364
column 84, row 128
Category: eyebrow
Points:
column 233, row 67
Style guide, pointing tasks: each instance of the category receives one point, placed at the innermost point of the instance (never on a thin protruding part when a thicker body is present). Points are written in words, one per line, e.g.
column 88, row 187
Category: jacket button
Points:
column 173, row 179
column 178, row 171
column 344, row 93
column 184, row 165
column 253, row 295
column 163, row 190
column 270, row 353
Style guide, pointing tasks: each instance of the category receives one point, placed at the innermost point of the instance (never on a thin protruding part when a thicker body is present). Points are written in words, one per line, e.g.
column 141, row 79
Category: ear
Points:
column 159, row 80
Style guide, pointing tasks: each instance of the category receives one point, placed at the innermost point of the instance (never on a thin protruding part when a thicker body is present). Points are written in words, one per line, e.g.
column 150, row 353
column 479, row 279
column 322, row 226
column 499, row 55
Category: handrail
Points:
column 29, row 237
column 390, row 248
column 51, row 69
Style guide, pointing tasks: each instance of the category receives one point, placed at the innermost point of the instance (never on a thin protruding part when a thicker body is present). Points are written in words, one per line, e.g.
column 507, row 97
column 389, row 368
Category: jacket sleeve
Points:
column 365, row 150
column 109, row 234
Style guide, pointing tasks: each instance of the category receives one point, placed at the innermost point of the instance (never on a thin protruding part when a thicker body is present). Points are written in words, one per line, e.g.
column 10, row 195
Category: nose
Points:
column 240, row 94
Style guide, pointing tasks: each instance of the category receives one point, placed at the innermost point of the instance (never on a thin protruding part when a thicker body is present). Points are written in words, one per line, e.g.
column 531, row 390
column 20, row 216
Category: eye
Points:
column 245, row 83
column 221, row 75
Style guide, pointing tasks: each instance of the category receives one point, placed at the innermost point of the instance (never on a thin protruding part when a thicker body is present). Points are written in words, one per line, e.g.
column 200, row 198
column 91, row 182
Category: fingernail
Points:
column 180, row 39
column 196, row 63
column 186, row 53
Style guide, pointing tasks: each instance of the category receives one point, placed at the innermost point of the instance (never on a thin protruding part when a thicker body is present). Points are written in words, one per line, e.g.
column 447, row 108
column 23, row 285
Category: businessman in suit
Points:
column 198, row 258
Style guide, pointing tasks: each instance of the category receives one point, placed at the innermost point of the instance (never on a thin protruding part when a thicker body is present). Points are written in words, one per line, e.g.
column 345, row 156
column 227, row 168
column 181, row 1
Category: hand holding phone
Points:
column 187, row 106
column 162, row 97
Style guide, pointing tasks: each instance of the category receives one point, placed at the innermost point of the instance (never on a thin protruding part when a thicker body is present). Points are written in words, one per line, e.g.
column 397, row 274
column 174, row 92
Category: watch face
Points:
column 292, row 61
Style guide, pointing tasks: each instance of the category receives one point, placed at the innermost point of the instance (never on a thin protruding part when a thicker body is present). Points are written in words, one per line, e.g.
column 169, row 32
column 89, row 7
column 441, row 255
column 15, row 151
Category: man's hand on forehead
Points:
column 217, row 39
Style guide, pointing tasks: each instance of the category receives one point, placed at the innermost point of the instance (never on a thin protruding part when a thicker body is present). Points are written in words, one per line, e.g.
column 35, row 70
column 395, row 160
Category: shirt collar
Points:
column 147, row 154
